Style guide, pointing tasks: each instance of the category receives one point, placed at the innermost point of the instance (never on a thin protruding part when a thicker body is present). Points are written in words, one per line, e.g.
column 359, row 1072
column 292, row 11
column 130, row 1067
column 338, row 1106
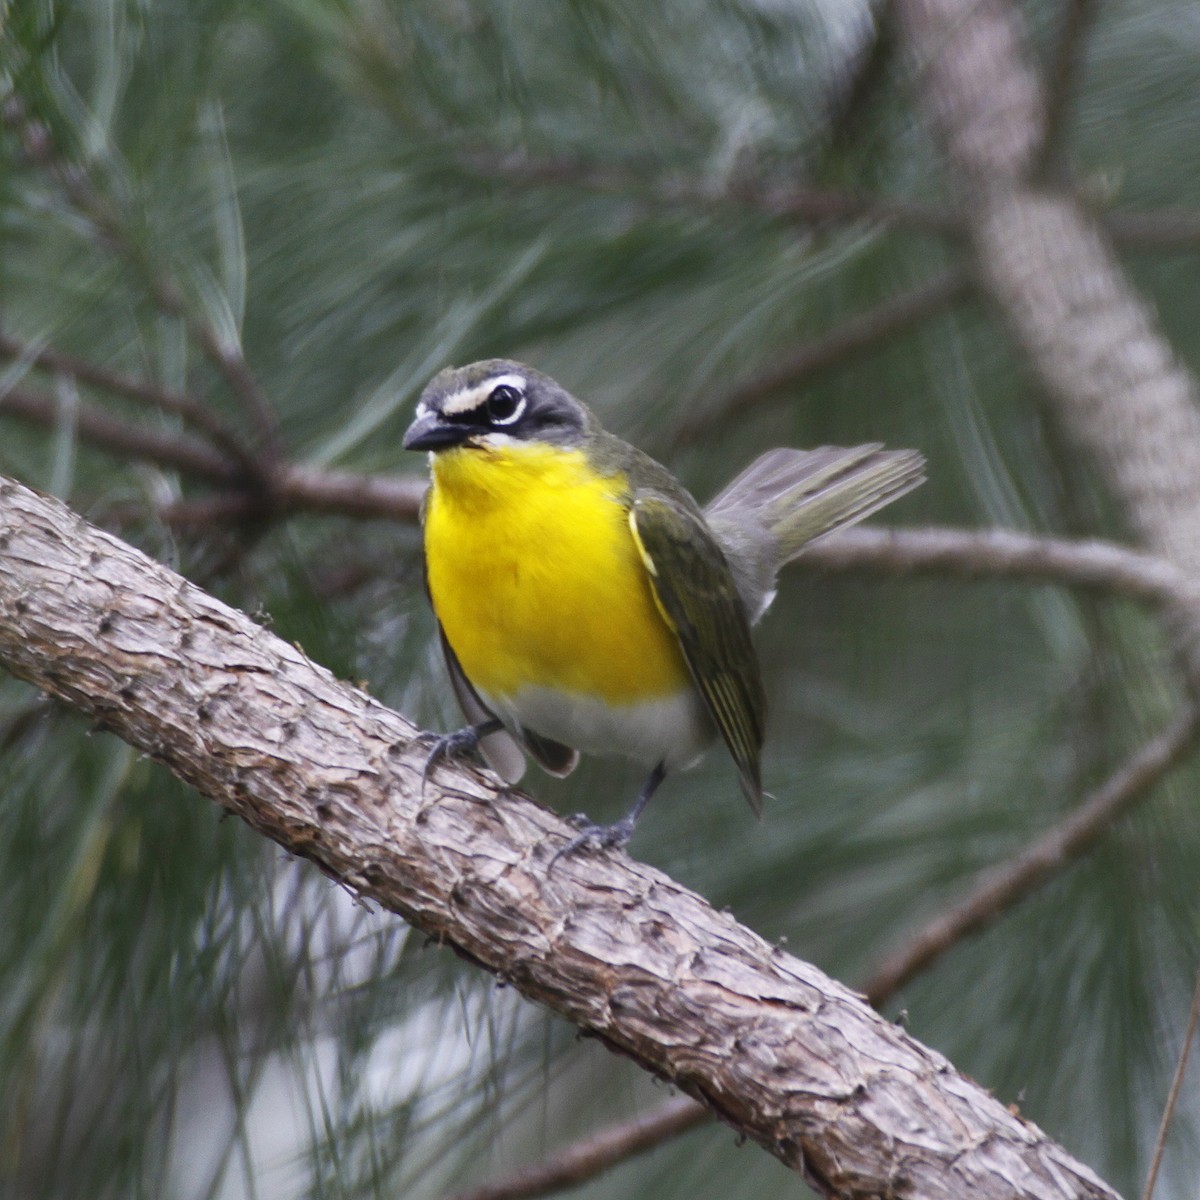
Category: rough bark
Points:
column 793, row 1059
column 1090, row 338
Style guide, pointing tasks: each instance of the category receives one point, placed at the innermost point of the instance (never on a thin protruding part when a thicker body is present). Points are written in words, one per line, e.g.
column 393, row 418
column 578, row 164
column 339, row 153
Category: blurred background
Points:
column 237, row 232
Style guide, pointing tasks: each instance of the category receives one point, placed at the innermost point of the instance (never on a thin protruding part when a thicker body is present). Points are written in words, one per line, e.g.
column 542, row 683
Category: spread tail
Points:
column 788, row 498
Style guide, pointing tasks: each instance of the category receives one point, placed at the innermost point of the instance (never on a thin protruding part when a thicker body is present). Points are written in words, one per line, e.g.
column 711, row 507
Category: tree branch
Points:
column 1007, row 554
column 591, row 1156
column 809, row 206
column 805, row 205
column 126, row 439
column 792, row 1059
column 345, row 493
column 289, row 488
column 999, row 889
column 1062, row 75
column 77, row 185
column 845, row 339
column 1092, row 341
column 189, row 409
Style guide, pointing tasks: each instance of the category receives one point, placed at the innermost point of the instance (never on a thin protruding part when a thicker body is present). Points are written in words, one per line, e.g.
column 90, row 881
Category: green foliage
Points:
column 359, row 192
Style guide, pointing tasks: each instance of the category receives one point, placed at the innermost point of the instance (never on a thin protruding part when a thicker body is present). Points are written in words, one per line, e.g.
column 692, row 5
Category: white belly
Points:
column 674, row 730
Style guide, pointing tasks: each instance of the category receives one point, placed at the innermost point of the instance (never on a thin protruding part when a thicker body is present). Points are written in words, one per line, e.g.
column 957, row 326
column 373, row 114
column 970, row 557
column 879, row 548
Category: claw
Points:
column 455, row 745
column 609, row 837
column 596, row 837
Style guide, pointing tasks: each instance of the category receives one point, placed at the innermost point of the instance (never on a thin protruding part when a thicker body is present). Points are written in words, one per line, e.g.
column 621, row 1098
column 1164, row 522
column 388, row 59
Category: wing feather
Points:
column 698, row 598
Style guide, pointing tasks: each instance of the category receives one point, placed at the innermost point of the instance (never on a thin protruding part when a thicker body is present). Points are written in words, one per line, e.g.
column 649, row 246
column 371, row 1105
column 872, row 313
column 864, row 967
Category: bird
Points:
column 586, row 603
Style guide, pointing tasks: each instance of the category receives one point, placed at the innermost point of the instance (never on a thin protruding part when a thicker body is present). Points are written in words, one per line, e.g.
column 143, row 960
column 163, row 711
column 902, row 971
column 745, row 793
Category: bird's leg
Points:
column 617, row 835
column 456, row 744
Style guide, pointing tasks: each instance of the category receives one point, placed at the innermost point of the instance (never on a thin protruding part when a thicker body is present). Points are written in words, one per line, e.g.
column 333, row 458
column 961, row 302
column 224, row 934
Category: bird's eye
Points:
column 505, row 404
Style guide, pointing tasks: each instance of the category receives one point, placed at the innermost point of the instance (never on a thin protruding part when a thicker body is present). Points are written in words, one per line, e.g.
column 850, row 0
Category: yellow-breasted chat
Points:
column 584, row 599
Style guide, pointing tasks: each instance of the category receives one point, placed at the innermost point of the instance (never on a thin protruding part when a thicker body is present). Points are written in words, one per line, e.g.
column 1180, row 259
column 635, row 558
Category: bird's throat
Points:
column 536, row 579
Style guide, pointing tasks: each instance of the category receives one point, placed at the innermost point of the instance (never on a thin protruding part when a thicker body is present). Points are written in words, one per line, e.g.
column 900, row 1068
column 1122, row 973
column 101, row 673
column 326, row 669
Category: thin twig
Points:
column 394, row 497
column 858, row 91
column 590, row 1156
column 858, row 332
column 1153, row 229
column 806, row 205
column 125, row 438
column 290, row 488
column 189, row 409
column 1160, row 1142
column 1163, row 229
column 1007, row 554
column 293, row 490
column 39, row 148
column 821, row 206
column 1062, row 75
column 230, row 361
column 1001, row 887
column 203, row 513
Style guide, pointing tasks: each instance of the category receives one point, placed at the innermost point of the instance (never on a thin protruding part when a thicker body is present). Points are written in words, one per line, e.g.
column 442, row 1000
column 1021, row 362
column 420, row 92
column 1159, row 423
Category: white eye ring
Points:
column 506, row 394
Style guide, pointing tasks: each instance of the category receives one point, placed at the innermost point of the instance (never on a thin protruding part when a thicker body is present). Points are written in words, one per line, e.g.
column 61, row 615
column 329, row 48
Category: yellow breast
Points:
column 536, row 580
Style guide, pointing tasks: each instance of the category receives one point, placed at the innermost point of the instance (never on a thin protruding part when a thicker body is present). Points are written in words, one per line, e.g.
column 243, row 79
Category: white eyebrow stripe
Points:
column 471, row 398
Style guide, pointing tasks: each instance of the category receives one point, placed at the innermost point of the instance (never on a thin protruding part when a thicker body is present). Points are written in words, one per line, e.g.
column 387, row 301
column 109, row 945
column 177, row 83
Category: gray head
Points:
column 497, row 396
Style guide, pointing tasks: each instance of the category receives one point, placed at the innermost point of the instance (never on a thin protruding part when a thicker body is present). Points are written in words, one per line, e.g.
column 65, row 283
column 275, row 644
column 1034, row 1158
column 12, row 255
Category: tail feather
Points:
column 788, row 498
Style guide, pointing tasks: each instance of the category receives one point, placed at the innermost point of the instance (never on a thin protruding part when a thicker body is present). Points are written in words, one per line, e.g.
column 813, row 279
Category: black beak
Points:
column 430, row 432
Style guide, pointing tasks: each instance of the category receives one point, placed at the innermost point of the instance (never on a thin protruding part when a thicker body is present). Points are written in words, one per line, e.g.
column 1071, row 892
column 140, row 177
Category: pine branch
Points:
column 1002, row 887
column 1093, row 342
column 778, row 1050
column 191, row 410
column 1062, row 77
column 803, row 205
column 124, row 439
column 111, row 230
column 293, row 490
column 807, row 206
column 1008, row 554
column 289, row 488
column 844, row 340
column 347, row 494
column 593, row 1155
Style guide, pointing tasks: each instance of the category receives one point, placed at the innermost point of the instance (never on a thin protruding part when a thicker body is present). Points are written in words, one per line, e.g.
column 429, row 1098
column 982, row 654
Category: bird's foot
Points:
column 594, row 837
column 455, row 745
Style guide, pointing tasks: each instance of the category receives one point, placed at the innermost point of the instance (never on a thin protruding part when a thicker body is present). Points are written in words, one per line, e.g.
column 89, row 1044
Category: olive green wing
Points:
column 697, row 596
